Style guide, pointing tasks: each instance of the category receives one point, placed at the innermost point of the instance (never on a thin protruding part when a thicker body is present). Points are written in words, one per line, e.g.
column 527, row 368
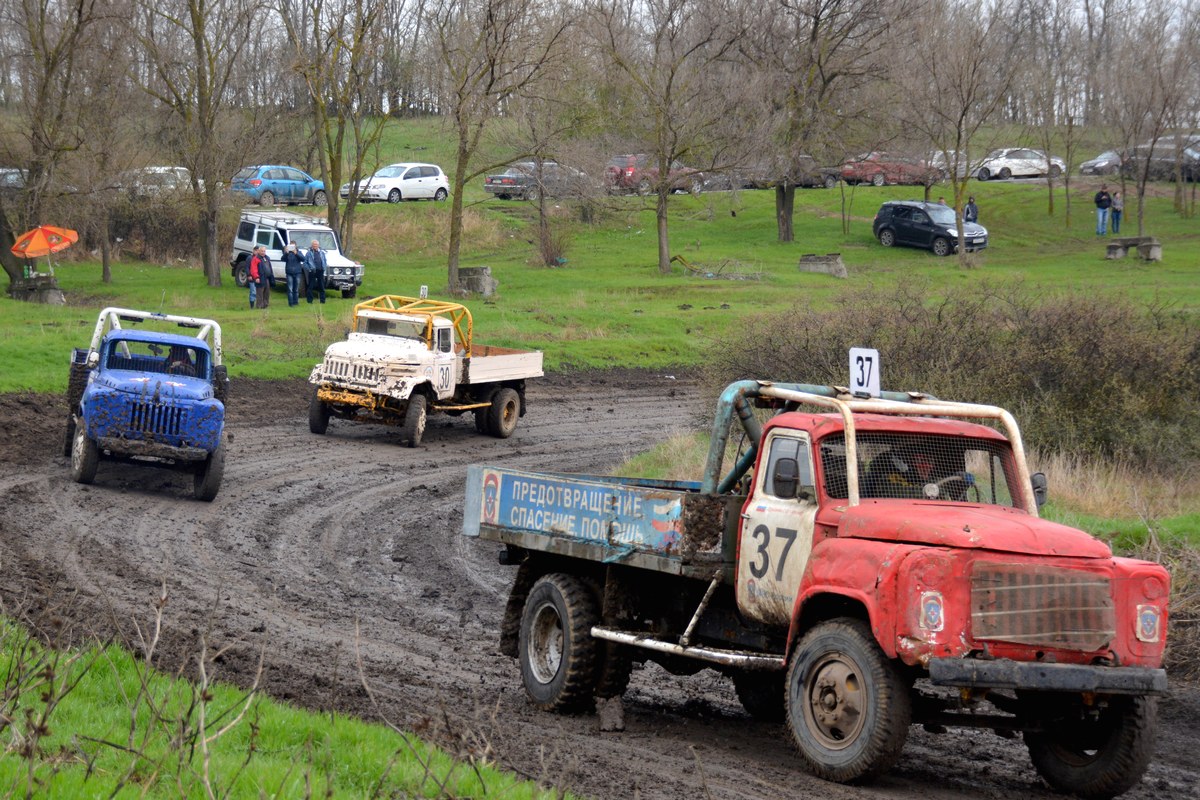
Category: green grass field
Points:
column 104, row 725
column 608, row 305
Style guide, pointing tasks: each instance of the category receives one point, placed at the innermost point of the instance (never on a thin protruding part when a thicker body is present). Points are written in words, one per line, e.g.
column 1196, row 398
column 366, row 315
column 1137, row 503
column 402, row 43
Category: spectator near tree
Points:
column 970, row 211
column 1103, row 203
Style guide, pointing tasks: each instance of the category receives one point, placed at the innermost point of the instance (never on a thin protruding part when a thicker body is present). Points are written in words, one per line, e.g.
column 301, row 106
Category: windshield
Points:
column 390, row 172
column 942, row 215
column 142, row 356
column 303, row 239
column 922, row 466
column 402, row 328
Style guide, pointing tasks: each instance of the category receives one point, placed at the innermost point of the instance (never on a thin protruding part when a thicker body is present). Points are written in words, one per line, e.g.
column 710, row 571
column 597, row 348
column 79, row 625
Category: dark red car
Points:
column 639, row 173
column 877, row 169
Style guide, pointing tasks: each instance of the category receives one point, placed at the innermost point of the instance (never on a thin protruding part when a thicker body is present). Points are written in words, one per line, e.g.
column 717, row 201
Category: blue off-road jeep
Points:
column 149, row 396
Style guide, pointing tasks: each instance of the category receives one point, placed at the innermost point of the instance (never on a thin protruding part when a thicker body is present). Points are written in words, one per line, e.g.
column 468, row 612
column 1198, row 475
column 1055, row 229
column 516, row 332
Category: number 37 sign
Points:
column 864, row 371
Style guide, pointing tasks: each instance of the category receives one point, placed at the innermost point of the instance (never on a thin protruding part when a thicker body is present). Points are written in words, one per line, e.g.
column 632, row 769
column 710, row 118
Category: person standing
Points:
column 261, row 267
column 253, row 277
column 970, row 211
column 1103, row 202
column 293, row 265
column 1115, row 210
column 314, row 267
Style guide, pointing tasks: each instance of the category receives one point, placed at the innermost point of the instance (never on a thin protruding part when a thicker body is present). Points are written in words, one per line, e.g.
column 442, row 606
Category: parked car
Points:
column 639, row 173
column 1161, row 161
column 803, row 171
column 521, row 181
column 878, row 168
column 154, row 181
column 928, row 225
column 1107, row 163
column 947, row 161
column 405, row 181
column 275, row 230
column 1019, row 162
column 12, row 178
column 268, row 184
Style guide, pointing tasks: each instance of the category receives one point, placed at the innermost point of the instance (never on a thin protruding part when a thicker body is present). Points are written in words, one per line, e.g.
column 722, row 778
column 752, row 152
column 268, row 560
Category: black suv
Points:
column 927, row 225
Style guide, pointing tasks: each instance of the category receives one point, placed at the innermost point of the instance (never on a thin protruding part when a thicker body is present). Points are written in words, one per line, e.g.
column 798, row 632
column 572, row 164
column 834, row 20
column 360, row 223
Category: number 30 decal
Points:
column 762, row 534
column 443, row 377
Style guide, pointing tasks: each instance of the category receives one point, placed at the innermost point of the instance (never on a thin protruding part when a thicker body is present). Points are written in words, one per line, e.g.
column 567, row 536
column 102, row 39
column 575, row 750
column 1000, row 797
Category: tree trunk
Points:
column 209, row 252
column 785, row 204
column 664, row 242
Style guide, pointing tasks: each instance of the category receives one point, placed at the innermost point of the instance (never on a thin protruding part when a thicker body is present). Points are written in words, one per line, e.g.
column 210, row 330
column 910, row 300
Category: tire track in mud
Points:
column 312, row 536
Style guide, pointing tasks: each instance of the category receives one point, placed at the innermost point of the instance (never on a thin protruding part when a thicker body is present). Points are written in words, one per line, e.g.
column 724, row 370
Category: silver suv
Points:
column 274, row 230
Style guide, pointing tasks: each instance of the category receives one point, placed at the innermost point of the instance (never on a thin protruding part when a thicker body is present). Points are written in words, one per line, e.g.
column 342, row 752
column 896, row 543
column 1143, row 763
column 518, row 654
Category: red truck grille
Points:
column 154, row 418
column 1041, row 606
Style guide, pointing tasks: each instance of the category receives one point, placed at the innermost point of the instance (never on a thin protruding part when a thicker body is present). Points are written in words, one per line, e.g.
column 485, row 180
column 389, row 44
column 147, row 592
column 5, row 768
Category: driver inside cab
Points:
column 180, row 362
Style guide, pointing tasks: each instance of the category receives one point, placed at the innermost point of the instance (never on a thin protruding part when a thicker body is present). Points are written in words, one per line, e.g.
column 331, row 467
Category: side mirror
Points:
column 786, row 478
column 1041, row 487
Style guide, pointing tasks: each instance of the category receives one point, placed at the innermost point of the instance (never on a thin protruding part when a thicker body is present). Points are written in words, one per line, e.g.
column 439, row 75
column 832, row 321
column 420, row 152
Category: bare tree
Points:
column 336, row 46
column 490, row 50
column 193, row 48
column 962, row 71
column 1149, row 93
column 675, row 61
column 818, row 55
column 52, row 37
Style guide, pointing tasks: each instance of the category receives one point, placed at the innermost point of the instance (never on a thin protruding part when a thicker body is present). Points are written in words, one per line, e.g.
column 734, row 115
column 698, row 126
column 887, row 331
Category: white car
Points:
column 157, row 180
column 397, row 182
column 1019, row 162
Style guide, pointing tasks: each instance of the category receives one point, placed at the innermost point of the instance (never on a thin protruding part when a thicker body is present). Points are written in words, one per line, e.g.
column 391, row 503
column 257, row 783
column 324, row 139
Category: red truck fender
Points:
column 851, row 577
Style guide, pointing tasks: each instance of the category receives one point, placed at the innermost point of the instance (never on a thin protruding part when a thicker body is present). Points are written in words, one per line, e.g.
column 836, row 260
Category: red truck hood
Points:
column 967, row 526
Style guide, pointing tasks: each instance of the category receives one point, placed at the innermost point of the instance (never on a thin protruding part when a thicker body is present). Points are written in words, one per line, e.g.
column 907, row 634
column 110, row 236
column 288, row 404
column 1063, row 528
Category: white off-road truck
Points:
column 409, row 357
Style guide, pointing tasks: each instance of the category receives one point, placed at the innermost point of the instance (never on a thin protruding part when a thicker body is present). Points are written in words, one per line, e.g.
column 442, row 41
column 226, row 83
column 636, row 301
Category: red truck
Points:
column 862, row 565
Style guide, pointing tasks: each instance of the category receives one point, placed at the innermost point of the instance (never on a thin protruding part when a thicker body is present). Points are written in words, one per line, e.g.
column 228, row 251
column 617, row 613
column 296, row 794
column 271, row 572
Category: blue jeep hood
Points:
column 178, row 387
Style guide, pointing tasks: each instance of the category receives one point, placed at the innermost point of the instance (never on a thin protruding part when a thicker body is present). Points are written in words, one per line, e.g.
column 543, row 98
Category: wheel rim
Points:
column 267, row 199
column 878, row 180
column 835, row 701
column 941, row 247
column 441, row 195
column 546, row 643
column 77, row 448
column 394, row 196
column 319, row 199
column 509, row 414
column 886, row 239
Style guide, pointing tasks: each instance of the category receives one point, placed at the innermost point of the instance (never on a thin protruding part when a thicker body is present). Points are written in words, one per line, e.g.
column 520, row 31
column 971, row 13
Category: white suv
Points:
column 274, row 230
column 397, row 182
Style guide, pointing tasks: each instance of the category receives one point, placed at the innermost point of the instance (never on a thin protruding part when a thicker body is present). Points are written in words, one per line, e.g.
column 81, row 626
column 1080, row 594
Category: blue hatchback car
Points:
column 271, row 184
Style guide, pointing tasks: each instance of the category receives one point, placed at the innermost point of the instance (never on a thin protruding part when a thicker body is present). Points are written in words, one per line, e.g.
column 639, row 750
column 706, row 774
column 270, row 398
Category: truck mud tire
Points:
column 504, row 413
column 347, row 294
column 555, row 646
column 77, row 381
column 207, row 480
column 221, row 383
column 318, row 414
column 85, row 457
column 613, row 668
column 847, row 706
column 1096, row 757
column 761, row 694
column 414, row 421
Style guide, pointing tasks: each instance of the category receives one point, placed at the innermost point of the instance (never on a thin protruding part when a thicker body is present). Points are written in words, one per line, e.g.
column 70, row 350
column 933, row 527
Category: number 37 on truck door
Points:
column 777, row 529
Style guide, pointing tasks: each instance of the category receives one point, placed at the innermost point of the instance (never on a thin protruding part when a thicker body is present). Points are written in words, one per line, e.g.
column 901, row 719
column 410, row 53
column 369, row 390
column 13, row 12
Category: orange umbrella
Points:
column 44, row 240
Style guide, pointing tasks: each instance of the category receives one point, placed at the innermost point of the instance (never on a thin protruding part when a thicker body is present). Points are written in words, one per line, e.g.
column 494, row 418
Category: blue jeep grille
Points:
column 156, row 419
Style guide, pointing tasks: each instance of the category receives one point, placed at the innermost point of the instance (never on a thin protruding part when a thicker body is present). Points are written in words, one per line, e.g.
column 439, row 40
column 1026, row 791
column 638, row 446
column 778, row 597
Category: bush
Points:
column 1089, row 375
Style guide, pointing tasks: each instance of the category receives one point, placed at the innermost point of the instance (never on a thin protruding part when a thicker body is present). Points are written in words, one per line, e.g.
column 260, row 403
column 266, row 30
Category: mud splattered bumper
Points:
column 1004, row 673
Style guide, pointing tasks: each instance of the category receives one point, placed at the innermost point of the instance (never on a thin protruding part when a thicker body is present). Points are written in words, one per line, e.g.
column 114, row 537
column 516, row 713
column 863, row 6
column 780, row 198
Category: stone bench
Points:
column 1148, row 248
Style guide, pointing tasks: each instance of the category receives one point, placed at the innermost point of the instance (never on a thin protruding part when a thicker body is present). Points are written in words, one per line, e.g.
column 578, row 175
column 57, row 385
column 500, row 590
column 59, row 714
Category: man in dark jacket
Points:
column 971, row 211
column 293, row 265
column 314, row 268
column 1103, row 201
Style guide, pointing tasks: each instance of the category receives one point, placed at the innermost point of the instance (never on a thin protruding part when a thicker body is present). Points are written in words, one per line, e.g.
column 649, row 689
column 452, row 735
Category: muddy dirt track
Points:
column 312, row 536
